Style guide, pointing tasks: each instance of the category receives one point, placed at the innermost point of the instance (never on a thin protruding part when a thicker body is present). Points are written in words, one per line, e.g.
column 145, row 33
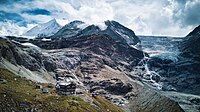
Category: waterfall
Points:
column 145, row 74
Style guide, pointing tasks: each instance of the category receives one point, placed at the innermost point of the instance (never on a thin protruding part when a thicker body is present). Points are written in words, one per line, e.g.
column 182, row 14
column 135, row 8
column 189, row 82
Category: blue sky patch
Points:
column 37, row 12
column 4, row 16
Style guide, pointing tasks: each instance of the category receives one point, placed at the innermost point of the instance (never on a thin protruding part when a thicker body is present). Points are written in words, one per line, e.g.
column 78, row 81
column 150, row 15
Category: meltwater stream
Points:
column 161, row 47
column 146, row 75
column 166, row 48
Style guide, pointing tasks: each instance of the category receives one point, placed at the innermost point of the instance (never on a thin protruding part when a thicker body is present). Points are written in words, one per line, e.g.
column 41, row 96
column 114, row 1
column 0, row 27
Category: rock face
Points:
column 114, row 27
column 190, row 46
column 190, row 56
column 98, row 46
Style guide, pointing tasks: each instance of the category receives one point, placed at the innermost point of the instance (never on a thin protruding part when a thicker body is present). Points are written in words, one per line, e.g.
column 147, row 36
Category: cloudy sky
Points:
column 144, row 17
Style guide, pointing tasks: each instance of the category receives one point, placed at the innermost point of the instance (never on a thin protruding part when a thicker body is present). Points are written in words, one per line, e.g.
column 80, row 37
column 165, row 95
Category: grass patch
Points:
column 19, row 94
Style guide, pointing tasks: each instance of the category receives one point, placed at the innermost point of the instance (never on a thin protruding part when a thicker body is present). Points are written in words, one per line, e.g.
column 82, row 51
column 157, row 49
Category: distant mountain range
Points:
column 10, row 29
column 75, row 29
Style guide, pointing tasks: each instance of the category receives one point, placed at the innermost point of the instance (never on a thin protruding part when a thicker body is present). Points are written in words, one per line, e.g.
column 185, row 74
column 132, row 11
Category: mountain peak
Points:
column 112, row 28
column 127, row 34
column 74, row 24
column 69, row 30
column 46, row 29
column 52, row 21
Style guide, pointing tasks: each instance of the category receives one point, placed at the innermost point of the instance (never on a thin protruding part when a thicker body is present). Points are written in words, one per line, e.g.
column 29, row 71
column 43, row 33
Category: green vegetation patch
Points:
column 20, row 94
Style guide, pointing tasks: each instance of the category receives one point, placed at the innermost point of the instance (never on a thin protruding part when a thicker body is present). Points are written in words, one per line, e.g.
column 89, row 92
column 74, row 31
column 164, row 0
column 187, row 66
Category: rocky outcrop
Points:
column 114, row 86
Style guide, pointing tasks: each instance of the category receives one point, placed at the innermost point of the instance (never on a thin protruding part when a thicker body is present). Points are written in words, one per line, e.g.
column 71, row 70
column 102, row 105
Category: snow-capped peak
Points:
column 112, row 28
column 45, row 29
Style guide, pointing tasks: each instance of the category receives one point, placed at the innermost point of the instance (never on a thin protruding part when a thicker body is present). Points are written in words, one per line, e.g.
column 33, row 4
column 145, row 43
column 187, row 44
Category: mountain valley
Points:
column 137, row 73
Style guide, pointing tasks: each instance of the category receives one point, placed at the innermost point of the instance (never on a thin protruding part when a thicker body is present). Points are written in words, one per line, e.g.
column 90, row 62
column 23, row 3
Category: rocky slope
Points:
column 23, row 60
column 190, row 56
column 190, row 46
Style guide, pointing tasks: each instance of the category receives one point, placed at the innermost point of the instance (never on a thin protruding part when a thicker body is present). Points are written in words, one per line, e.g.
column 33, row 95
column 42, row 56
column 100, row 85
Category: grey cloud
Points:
column 187, row 13
column 157, row 17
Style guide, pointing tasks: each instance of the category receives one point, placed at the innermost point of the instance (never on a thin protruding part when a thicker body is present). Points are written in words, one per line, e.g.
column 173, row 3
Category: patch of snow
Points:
column 28, row 37
column 62, row 22
column 63, row 83
column 30, row 45
column 82, row 26
column 127, row 38
column 137, row 46
column 101, row 25
column 44, row 39
column 15, row 41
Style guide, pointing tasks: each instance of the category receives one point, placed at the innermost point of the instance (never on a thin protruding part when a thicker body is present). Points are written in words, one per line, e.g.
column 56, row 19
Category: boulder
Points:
column 45, row 90
column 3, row 81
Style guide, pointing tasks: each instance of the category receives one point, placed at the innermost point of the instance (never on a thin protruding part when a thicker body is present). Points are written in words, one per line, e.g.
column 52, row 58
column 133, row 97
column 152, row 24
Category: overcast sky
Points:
column 144, row 17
